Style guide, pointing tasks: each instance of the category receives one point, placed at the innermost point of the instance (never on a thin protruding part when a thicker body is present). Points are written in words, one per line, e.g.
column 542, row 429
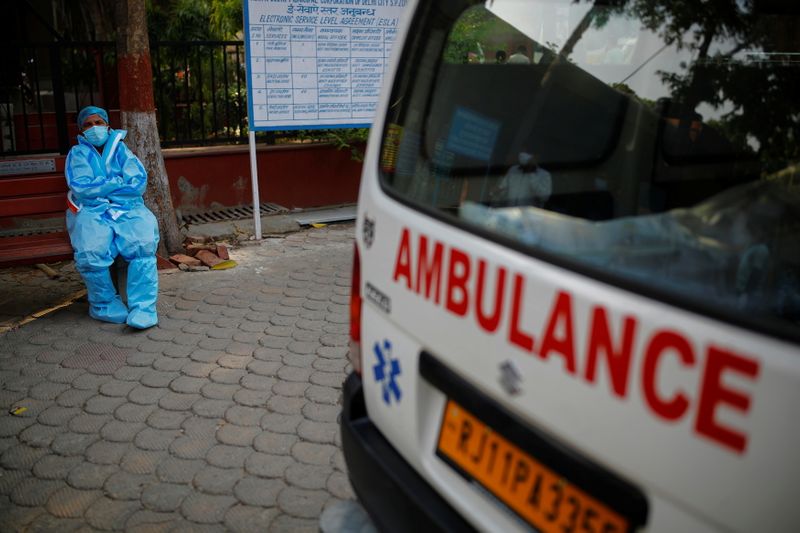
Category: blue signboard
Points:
column 317, row 63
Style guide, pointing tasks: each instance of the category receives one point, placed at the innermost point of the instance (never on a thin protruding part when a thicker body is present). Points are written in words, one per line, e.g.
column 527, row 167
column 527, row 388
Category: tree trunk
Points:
column 138, row 113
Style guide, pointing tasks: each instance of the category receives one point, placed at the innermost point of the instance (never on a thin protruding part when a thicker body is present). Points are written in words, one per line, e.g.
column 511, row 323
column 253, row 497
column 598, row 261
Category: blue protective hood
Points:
column 91, row 110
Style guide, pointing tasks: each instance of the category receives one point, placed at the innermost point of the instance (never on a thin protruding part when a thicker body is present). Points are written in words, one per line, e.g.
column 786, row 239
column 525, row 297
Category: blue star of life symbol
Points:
column 386, row 370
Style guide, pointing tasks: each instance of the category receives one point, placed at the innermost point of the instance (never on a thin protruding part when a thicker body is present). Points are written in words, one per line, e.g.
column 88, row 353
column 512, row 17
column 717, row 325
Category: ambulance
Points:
column 576, row 279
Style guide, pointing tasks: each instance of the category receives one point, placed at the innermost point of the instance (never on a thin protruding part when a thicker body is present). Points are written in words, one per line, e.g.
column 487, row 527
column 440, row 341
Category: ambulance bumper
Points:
column 396, row 497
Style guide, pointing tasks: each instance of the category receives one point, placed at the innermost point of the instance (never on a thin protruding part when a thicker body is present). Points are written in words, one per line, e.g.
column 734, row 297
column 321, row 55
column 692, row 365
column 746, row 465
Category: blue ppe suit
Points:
column 112, row 220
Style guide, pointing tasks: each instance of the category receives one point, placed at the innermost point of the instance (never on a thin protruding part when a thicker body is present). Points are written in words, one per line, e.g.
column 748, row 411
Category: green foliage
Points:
column 194, row 20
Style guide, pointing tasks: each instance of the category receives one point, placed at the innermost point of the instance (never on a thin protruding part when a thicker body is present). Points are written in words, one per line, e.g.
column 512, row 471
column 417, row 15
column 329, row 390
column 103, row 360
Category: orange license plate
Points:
column 535, row 492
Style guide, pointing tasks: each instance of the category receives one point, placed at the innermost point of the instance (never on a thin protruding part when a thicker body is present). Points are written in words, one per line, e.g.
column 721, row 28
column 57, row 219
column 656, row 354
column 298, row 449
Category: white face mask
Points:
column 97, row 135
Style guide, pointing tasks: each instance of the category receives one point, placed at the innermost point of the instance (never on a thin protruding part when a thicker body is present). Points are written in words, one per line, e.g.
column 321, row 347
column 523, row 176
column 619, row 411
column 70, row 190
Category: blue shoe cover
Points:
column 141, row 319
column 113, row 311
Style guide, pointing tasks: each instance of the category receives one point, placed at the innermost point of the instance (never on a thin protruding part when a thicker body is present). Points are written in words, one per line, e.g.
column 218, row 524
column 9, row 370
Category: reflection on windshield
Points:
column 738, row 247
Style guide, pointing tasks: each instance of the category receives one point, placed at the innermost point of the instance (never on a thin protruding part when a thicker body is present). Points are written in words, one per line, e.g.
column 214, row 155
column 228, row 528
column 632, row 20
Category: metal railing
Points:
column 199, row 89
column 200, row 92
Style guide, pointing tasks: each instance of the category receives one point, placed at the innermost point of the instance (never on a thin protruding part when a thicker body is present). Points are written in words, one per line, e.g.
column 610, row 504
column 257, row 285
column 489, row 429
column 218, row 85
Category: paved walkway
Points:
column 223, row 417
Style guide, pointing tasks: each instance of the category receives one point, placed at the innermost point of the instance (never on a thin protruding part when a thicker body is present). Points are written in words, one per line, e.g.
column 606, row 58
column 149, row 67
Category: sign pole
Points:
column 254, row 184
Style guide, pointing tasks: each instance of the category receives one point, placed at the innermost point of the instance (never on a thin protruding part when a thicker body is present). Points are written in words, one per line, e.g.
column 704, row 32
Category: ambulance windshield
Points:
column 626, row 138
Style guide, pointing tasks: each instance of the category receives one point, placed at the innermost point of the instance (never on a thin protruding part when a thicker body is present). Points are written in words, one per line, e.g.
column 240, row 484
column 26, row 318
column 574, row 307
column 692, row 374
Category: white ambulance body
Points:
column 576, row 293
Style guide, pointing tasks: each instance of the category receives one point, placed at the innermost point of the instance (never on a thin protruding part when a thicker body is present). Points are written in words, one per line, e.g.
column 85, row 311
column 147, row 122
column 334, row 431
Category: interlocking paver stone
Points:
column 123, row 485
column 165, row 497
column 105, row 452
column 225, row 456
column 118, row 431
column 55, row 466
column 237, row 435
column 176, row 470
column 90, row 476
column 249, row 518
column 107, row 514
column 258, row 491
column 70, row 444
column 214, row 480
column 34, row 492
column 69, row 502
column 206, row 508
column 223, row 417
column 308, row 476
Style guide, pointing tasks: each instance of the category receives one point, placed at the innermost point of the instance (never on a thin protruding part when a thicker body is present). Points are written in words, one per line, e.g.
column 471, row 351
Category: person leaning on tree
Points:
column 107, row 217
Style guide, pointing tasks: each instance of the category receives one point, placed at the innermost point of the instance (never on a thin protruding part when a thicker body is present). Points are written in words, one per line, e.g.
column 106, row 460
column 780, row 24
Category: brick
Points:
column 99, row 405
column 117, row 388
column 339, row 486
column 174, row 401
column 318, row 432
column 21, row 457
column 47, row 390
column 302, row 503
column 224, row 456
column 187, row 384
column 274, row 443
column 130, row 412
column 155, row 378
column 308, row 476
column 104, row 452
column 311, row 453
column 70, row 444
column 250, row 519
column 88, row 423
column 155, row 439
column 211, row 408
column 286, row 405
column 326, row 395
column 219, row 391
column 122, row 485
column 290, row 389
column 164, row 419
column 138, row 461
column 213, row 480
column 39, row 435
column 164, row 497
column 270, row 354
column 88, row 476
column 321, row 412
column 74, row 397
column 130, row 373
column 206, row 508
column 11, row 426
column 268, row 465
column 197, row 426
column 200, row 355
column 187, row 447
column 34, row 492
column 146, row 395
column 234, row 435
column 230, row 376
column 281, row 423
column 55, row 466
column 258, row 491
column 109, row 514
column 118, row 431
column 295, row 374
column 141, row 359
column 169, row 364
column 176, row 470
column 89, row 382
column 244, row 416
column 198, row 370
column 147, row 521
column 330, row 365
column 68, row 502
column 302, row 361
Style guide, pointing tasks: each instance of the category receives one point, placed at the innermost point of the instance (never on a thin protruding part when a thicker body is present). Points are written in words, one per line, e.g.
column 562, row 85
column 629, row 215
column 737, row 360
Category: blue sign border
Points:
column 249, row 85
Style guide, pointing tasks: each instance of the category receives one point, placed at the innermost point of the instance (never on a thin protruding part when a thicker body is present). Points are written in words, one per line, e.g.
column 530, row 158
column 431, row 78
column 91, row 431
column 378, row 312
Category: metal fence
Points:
column 199, row 89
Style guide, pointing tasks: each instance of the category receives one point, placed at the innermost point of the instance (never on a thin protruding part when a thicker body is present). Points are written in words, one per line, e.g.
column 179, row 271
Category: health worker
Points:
column 107, row 217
